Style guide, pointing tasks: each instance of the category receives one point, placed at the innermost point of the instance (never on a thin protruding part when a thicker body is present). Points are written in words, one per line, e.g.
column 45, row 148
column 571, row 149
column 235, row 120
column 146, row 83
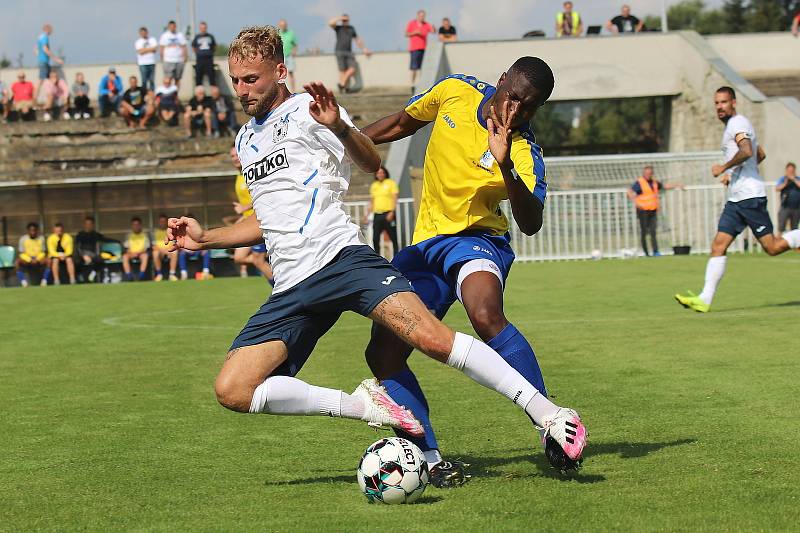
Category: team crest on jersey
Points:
column 281, row 129
column 272, row 163
column 487, row 160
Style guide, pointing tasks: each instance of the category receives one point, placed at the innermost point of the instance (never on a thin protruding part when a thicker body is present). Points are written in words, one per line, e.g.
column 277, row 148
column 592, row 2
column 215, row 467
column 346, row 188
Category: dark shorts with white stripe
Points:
column 357, row 279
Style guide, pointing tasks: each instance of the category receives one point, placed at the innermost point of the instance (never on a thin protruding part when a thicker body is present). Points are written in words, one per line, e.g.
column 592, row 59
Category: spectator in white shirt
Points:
column 173, row 52
column 146, row 48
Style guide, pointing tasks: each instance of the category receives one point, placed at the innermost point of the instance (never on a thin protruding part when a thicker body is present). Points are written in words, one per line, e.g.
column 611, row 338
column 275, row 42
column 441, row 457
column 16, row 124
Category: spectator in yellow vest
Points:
column 60, row 248
column 644, row 194
column 383, row 201
column 568, row 22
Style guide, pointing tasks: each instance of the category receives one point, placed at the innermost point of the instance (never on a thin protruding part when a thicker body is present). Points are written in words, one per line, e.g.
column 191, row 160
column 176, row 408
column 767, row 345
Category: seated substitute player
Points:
column 747, row 199
column 161, row 251
column 296, row 154
column 60, row 247
column 137, row 246
column 32, row 257
column 481, row 151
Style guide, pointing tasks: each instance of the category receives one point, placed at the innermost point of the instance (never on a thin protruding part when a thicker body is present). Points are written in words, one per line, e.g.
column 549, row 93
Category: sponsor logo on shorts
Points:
column 760, row 228
column 272, row 163
column 388, row 280
column 484, row 250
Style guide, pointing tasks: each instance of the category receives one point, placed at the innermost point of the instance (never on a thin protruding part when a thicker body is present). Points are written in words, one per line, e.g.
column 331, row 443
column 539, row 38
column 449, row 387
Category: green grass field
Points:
column 109, row 419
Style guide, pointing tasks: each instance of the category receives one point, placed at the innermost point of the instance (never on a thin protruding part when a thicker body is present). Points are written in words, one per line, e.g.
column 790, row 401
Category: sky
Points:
column 103, row 31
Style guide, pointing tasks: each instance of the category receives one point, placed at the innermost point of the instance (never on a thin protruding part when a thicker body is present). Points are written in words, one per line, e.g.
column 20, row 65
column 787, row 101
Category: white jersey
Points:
column 746, row 182
column 297, row 174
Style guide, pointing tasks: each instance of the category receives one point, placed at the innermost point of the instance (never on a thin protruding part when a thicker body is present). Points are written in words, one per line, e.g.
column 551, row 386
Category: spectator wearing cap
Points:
column 109, row 93
column 289, row 40
column 789, row 188
column 447, row 32
column 625, row 22
column 56, row 97
column 173, row 52
column 345, row 59
column 568, row 22
column 22, row 95
column 80, row 97
column 45, row 56
column 204, row 45
column 417, row 31
column 146, row 48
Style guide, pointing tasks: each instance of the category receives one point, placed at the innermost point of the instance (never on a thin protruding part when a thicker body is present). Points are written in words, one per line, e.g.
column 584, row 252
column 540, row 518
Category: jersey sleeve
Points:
column 67, row 244
column 425, row 106
column 394, row 189
column 529, row 164
column 740, row 125
column 327, row 138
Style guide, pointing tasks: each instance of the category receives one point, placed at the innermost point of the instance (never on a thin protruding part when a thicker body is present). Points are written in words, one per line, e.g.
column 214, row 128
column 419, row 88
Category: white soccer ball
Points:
column 393, row 470
column 597, row 255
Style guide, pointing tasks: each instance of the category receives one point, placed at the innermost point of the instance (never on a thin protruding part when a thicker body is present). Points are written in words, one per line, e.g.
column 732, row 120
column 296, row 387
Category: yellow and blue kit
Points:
column 459, row 216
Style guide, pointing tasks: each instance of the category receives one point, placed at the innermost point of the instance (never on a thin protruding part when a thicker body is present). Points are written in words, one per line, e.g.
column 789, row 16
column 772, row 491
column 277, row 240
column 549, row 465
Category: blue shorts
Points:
column 416, row 59
column 357, row 279
column 259, row 248
column 44, row 71
column 432, row 265
column 750, row 213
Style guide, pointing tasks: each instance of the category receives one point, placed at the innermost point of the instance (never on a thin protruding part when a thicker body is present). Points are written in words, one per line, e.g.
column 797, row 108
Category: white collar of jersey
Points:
column 256, row 122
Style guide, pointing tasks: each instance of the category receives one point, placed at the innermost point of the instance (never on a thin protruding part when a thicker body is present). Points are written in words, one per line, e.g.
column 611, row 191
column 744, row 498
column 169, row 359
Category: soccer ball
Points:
column 393, row 470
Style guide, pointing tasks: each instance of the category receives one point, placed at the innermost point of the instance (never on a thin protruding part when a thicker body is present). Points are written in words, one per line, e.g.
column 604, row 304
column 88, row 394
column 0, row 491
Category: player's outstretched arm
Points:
column 397, row 126
column 325, row 110
column 187, row 234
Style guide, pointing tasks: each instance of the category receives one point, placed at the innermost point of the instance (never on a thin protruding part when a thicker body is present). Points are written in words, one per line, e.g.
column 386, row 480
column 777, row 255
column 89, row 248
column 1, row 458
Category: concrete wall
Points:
column 759, row 54
column 388, row 70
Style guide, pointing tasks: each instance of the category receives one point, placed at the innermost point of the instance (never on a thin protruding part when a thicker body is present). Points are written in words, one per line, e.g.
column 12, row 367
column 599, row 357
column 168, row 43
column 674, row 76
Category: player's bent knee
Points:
column 488, row 322
column 232, row 393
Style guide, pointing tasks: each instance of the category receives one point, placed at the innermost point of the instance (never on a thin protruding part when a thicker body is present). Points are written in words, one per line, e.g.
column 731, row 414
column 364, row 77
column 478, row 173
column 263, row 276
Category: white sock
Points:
column 793, row 238
column 479, row 362
column 715, row 269
column 433, row 457
column 284, row 395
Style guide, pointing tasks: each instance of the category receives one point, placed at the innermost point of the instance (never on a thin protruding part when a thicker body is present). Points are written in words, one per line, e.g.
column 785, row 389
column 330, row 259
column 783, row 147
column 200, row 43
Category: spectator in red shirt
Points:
column 417, row 32
column 796, row 24
column 22, row 93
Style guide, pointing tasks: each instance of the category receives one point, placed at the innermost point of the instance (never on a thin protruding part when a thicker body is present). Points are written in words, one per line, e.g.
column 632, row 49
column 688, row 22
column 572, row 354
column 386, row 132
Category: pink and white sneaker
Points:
column 564, row 438
column 380, row 410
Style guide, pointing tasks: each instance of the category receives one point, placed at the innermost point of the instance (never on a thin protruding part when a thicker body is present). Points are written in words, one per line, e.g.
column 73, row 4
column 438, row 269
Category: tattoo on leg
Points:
column 397, row 316
column 231, row 353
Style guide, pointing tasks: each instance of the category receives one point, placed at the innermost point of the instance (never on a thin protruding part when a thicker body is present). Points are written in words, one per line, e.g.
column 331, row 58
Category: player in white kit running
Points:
column 295, row 155
column 747, row 199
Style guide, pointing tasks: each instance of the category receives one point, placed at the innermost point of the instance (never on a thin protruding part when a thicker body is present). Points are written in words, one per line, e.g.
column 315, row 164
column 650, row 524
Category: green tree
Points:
column 693, row 15
column 765, row 15
column 221, row 50
column 5, row 62
column 735, row 16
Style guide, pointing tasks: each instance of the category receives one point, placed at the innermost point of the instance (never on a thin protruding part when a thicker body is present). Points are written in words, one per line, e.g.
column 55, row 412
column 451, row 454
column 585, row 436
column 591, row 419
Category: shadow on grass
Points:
column 350, row 478
column 487, row 466
column 793, row 303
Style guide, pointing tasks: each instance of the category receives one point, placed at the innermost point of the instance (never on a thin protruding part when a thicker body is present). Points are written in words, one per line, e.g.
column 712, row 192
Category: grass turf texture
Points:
column 109, row 419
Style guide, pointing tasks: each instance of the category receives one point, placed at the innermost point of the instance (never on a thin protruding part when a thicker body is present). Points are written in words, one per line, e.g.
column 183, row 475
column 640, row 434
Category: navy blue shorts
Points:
column 431, row 265
column 750, row 213
column 357, row 279
column 416, row 59
column 259, row 248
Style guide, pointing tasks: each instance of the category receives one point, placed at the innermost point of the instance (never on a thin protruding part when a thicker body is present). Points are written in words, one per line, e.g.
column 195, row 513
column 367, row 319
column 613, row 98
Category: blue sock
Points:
column 206, row 260
column 404, row 388
column 182, row 261
column 518, row 353
column 20, row 275
column 46, row 275
column 142, row 275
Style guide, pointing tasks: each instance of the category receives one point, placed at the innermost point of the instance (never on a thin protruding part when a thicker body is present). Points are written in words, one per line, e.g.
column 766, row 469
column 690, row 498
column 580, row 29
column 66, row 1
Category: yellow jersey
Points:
column 31, row 248
column 462, row 185
column 383, row 194
column 137, row 242
column 159, row 237
column 53, row 245
column 243, row 195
